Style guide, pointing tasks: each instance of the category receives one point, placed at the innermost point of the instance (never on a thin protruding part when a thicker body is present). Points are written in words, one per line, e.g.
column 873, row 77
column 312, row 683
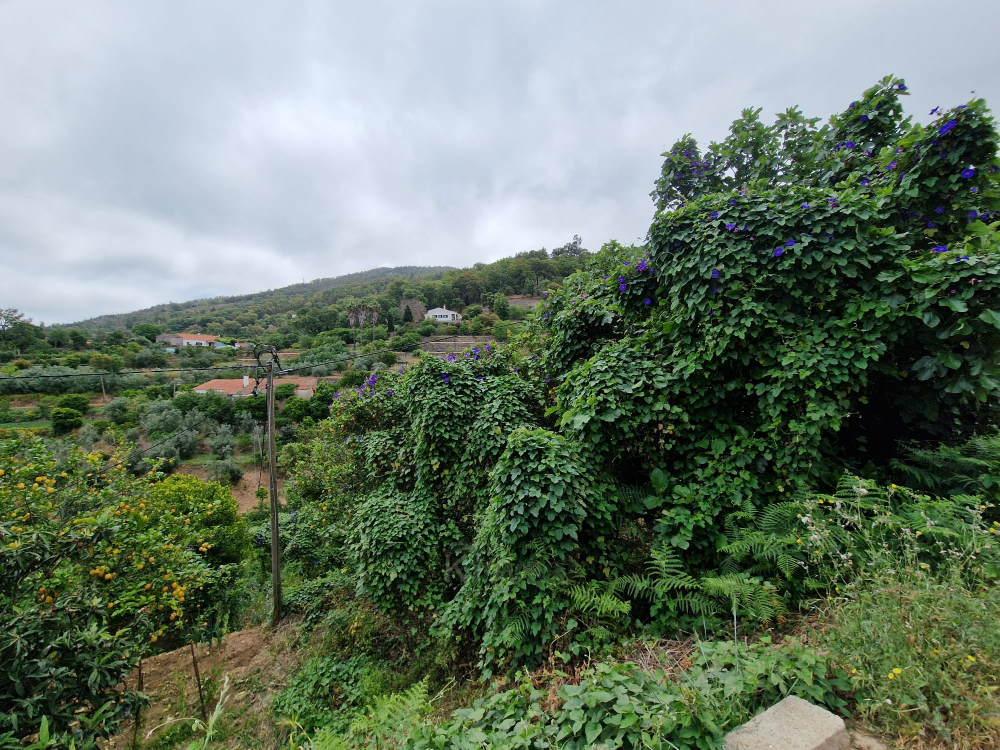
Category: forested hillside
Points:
column 272, row 315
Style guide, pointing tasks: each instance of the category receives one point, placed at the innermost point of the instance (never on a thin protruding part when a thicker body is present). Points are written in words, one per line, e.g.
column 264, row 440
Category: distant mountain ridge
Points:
column 119, row 320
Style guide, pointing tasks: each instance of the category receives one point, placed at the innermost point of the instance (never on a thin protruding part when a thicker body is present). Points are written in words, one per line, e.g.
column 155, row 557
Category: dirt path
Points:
column 257, row 662
column 245, row 489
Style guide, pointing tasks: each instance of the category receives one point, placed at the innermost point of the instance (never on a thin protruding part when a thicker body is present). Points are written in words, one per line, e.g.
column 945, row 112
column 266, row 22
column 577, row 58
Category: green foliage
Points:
column 728, row 352
column 98, row 565
column 407, row 342
column 65, row 420
column 500, row 306
column 285, row 390
column 622, row 705
column 545, row 505
column 76, row 401
column 921, row 651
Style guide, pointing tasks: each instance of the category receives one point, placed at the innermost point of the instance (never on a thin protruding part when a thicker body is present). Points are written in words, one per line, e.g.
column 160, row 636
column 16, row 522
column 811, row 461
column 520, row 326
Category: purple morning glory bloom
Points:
column 642, row 265
column 939, row 210
column 864, row 118
column 806, row 206
column 849, row 144
column 891, row 165
column 547, row 378
column 934, row 111
column 947, row 127
column 973, row 190
column 970, row 172
column 852, row 105
column 931, row 225
column 647, row 301
column 626, row 263
column 901, row 87
column 714, row 215
column 789, row 243
column 940, row 248
column 864, row 182
column 715, row 273
column 778, row 252
column 732, row 201
column 621, row 287
column 730, row 227
column 444, row 377
column 973, row 214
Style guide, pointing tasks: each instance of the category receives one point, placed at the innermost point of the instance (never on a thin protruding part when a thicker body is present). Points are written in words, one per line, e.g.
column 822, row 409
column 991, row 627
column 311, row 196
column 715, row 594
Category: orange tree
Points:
column 99, row 566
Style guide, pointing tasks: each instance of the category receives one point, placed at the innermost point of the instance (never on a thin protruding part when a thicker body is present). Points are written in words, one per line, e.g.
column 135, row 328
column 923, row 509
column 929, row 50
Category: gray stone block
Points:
column 792, row 724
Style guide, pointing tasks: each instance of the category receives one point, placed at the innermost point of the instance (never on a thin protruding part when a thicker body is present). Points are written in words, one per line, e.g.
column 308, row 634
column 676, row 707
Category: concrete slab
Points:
column 792, row 724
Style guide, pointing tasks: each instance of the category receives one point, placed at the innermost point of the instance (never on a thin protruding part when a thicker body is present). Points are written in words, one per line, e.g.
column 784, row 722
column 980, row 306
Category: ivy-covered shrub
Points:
column 544, row 504
column 801, row 305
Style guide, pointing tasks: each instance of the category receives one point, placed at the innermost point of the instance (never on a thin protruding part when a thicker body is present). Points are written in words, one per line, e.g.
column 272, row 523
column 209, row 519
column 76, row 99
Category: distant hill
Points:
column 294, row 291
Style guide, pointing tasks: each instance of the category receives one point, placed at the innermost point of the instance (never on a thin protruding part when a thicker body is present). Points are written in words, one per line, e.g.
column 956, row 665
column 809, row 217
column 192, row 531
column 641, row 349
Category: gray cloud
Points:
column 162, row 151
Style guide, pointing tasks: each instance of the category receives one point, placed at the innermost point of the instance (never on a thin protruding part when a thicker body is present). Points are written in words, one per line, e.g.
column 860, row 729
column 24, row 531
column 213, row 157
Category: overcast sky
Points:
column 157, row 151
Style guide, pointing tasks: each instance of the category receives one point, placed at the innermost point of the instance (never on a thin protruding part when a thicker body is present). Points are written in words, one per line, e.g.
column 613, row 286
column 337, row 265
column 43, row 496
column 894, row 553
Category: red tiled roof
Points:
column 235, row 387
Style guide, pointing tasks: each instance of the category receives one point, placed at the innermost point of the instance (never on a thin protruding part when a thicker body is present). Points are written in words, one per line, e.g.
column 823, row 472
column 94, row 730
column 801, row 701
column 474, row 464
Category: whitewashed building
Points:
column 443, row 315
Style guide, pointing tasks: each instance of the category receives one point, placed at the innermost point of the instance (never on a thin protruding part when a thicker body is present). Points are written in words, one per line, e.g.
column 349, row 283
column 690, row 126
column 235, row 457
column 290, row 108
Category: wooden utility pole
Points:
column 273, row 482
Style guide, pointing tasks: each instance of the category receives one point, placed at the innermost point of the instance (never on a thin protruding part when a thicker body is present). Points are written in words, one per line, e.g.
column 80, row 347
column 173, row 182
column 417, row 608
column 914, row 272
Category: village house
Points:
column 443, row 315
column 190, row 339
column 304, row 387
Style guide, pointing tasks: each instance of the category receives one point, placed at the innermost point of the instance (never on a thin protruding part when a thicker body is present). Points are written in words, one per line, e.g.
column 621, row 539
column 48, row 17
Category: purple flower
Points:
column 732, row 201
column 622, row 287
column 970, row 172
column 901, row 87
column 806, row 206
column 864, row 118
column 864, row 182
column 778, row 252
column 444, row 377
column 973, row 214
column 545, row 315
column 714, row 215
column 715, row 273
column 849, row 144
column 940, row 248
column 730, row 227
column 621, row 279
column 931, row 225
column 789, row 243
column 626, row 263
column 852, row 105
column 947, row 127
column 934, row 111
column 891, row 165
column 335, row 395
column 647, row 301
column 547, row 378
column 973, row 190
column 642, row 265
column 939, row 210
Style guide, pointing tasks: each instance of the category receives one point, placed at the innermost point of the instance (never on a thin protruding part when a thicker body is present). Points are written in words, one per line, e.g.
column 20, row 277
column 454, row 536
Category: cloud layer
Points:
column 154, row 152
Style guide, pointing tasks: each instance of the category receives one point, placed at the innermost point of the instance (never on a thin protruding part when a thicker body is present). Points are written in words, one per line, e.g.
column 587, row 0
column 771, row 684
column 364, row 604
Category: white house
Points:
column 443, row 315
column 190, row 339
